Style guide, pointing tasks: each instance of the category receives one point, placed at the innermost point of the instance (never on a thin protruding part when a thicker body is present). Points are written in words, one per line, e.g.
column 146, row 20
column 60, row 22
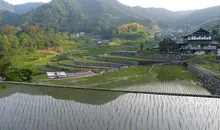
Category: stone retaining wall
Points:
column 209, row 80
column 159, row 57
column 107, row 65
column 126, row 61
column 218, row 59
column 118, row 60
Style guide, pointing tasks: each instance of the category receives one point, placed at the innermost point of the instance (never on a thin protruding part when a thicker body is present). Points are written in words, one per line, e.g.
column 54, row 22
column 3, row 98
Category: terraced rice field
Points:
column 124, row 57
column 181, row 87
column 40, row 109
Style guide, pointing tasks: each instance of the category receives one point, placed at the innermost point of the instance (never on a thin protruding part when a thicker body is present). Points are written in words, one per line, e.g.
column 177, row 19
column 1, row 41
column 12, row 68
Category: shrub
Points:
column 19, row 74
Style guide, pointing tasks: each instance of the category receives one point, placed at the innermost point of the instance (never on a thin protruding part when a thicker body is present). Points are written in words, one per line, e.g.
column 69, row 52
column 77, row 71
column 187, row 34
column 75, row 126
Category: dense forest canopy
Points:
column 91, row 16
column 95, row 15
column 132, row 27
column 133, row 31
column 29, row 38
column 26, row 40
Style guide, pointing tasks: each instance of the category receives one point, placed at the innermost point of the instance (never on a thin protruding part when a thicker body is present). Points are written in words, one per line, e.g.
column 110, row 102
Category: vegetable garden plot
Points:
column 128, row 111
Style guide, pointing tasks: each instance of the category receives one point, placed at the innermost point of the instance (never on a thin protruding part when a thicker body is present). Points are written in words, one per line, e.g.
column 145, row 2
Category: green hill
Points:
column 97, row 15
column 83, row 15
column 19, row 9
column 211, row 23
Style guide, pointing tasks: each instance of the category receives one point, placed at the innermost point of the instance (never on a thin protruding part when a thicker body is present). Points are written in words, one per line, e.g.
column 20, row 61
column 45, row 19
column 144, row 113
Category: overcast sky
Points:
column 174, row 5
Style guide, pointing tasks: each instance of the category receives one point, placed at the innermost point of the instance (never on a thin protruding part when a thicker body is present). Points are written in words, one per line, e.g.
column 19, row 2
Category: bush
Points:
column 172, row 72
column 20, row 75
column 165, row 75
column 2, row 86
column 60, row 58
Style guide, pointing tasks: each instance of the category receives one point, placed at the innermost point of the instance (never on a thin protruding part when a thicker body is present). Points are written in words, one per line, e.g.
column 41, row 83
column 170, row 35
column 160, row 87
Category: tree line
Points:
column 24, row 40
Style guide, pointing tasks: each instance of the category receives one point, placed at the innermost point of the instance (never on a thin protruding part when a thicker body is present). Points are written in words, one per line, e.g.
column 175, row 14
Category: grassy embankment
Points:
column 31, row 60
column 124, row 57
column 208, row 62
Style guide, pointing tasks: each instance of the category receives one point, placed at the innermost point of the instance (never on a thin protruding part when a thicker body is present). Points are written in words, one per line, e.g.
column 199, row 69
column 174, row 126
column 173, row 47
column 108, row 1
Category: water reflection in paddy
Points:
column 66, row 109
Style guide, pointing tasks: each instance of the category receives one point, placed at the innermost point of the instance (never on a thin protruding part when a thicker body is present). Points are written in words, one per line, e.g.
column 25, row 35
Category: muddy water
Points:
column 35, row 108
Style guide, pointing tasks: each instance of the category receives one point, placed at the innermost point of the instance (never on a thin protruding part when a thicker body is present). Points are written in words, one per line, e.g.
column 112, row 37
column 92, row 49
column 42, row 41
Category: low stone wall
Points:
column 107, row 65
column 209, row 80
column 118, row 60
column 159, row 57
column 218, row 59
column 127, row 61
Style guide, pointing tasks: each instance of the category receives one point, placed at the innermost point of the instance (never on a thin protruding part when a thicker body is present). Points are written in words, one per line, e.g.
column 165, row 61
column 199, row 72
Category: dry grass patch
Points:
column 114, row 44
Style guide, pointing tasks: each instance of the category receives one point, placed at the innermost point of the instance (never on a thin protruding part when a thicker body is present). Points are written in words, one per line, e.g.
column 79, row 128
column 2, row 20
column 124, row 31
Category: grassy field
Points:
column 166, row 73
column 89, row 60
column 123, row 57
column 131, row 76
column 42, row 76
column 135, row 43
column 209, row 58
column 172, row 72
column 31, row 60
column 70, row 62
column 211, row 66
column 106, row 49
column 109, row 76
column 58, row 67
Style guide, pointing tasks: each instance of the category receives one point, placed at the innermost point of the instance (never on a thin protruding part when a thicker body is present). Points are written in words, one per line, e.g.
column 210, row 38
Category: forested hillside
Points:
column 200, row 16
column 163, row 17
column 7, row 17
column 17, row 43
column 82, row 15
column 211, row 23
column 98, row 15
column 4, row 6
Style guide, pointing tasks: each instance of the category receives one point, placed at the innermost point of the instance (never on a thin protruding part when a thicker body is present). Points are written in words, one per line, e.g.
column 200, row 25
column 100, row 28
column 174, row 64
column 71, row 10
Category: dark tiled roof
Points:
column 200, row 32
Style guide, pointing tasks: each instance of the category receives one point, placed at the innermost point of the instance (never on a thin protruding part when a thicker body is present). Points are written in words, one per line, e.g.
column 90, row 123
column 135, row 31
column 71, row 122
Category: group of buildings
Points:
column 200, row 41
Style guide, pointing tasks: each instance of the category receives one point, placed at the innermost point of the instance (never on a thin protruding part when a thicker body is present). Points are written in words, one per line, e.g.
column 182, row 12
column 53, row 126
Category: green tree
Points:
column 163, row 45
column 217, row 37
column 4, row 64
column 142, row 46
column 19, row 74
column 5, row 44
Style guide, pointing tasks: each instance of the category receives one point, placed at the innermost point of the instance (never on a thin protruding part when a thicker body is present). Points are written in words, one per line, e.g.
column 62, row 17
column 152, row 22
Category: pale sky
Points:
column 174, row 5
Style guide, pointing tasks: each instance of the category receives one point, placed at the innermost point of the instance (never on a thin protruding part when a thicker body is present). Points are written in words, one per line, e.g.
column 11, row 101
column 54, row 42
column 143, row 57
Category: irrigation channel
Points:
column 47, row 108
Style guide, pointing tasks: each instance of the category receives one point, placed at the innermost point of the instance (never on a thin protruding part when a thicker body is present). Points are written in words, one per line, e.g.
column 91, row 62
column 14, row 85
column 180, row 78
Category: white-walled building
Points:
column 55, row 75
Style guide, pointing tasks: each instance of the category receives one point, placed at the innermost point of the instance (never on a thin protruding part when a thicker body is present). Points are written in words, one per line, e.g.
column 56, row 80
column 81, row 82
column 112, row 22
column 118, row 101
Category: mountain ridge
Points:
column 19, row 8
column 66, row 15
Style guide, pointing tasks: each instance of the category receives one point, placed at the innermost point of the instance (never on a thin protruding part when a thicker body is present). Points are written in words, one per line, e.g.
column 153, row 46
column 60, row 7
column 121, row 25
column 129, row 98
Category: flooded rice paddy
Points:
column 179, row 87
column 41, row 108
